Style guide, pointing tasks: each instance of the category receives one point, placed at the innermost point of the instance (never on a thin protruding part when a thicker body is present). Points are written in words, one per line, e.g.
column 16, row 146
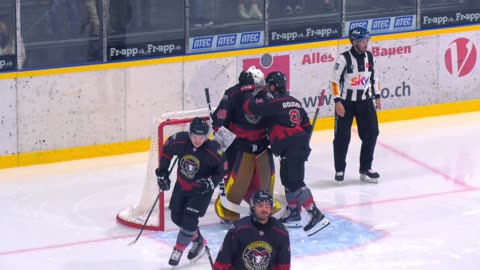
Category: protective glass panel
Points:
column 145, row 28
column 61, row 32
column 303, row 20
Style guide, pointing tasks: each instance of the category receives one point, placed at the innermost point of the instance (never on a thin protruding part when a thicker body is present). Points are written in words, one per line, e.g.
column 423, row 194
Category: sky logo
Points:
column 355, row 24
column 381, row 24
column 404, row 21
column 226, row 40
column 359, row 81
column 202, row 43
column 250, row 38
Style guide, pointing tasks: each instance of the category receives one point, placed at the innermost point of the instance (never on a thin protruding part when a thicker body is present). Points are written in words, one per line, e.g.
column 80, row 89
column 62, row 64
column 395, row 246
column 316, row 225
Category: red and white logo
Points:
column 268, row 63
column 460, row 57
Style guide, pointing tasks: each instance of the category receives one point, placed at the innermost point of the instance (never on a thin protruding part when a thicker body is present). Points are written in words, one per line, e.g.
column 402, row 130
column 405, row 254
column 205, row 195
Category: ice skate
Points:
column 197, row 250
column 292, row 218
column 369, row 176
column 316, row 223
column 339, row 176
column 175, row 257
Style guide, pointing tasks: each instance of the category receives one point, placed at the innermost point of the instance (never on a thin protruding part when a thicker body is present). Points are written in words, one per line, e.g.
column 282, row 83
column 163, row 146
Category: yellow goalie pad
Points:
column 249, row 174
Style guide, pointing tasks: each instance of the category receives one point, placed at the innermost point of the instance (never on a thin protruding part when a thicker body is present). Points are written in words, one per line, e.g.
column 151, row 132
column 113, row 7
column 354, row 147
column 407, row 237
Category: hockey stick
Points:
column 320, row 102
column 207, row 249
column 210, row 112
column 153, row 207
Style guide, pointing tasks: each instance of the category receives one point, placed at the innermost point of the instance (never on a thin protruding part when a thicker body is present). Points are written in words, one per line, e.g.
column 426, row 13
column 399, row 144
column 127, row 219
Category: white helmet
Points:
column 258, row 77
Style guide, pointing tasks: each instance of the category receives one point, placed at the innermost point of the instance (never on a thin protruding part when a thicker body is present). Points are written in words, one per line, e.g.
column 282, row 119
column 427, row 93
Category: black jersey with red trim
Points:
column 193, row 163
column 252, row 245
column 248, row 128
column 286, row 120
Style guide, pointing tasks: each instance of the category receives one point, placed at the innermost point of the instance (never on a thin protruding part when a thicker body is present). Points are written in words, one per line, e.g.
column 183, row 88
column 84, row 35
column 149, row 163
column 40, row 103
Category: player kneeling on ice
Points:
column 258, row 241
column 289, row 131
column 201, row 166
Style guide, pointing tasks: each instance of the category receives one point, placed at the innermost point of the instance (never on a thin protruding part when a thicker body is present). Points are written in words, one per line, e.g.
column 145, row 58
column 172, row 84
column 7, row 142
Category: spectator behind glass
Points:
column 93, row 16
column 197, row 19
column 292, row 7
column 7, row 42
column 58, row 18
column 253, row 13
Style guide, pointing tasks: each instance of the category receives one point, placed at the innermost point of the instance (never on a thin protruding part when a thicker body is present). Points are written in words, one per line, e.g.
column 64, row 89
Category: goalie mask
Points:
column 258, row 77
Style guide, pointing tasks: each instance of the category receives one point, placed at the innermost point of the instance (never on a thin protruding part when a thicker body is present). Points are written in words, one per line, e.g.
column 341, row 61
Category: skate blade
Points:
column 320, row 226
column 199, row 256
column 294, row 224
column 367, row 179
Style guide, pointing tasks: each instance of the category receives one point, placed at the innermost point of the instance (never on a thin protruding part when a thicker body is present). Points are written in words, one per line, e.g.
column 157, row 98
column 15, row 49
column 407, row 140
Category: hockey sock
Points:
column 196, row 234
column 304, row 198
column 183, row 239
column 291, row 199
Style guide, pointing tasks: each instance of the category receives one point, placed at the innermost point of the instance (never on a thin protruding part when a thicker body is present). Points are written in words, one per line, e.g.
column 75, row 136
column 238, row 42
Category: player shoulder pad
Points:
column 179, row 136
column 244, row 222
column 215, row 147
column 277, row 223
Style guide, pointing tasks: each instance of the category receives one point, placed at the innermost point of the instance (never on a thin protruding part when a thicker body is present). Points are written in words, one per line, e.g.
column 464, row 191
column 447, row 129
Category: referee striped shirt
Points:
column 354, row 77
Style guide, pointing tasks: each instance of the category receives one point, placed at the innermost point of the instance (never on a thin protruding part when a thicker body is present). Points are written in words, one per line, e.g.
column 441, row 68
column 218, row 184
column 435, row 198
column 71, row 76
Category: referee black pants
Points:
column 367, row 122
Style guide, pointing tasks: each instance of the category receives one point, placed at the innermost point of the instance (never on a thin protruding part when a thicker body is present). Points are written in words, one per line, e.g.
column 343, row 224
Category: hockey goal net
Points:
column 163, row 127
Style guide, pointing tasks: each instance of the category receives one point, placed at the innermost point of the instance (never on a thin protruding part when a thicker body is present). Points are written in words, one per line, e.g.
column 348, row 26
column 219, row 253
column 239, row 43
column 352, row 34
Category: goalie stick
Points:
column 153, row 207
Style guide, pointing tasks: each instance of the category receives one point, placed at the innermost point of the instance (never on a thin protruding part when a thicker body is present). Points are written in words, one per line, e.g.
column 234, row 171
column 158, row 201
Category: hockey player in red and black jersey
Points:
column 201, row 165
column 258, row 241
column 249, row 155
column 289, row 131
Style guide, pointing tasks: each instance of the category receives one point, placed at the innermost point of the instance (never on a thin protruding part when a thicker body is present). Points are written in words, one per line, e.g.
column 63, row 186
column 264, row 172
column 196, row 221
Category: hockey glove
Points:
column 203, row 185
column 162, row 179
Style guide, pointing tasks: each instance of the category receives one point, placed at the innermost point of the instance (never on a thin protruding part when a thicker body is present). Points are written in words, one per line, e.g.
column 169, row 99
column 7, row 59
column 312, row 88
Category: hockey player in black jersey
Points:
column 354, row 83
column 258, row 241
column 289, row 131
column 249, row 155
column 201, row 165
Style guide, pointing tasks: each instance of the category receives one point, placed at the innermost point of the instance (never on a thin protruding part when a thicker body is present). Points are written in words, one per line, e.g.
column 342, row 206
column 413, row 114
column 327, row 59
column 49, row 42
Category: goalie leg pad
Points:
column 265, row 173
column 237, row 184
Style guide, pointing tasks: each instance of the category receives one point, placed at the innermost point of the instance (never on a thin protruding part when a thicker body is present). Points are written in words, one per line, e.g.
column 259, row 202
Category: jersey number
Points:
column 295, row 117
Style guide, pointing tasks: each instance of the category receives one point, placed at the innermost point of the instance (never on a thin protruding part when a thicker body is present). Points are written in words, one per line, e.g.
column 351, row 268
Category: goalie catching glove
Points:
column 203, row 185
column 162, row 179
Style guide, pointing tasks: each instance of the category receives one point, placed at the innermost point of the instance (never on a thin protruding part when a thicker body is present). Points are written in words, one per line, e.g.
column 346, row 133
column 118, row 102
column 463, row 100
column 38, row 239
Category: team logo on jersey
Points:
column 252, row 119
column 189, row 166
column 257, row 255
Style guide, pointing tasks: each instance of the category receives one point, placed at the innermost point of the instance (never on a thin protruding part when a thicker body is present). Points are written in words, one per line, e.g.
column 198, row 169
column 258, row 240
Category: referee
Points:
column 354, row 84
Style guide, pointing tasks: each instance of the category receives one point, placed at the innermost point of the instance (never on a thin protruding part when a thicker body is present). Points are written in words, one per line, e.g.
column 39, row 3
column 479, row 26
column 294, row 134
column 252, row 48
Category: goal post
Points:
column 162, row 128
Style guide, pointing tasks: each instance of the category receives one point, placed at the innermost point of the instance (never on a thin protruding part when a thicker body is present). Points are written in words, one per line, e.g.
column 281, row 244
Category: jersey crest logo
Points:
column 257, row 255
column 189, row 166
column 252, row 119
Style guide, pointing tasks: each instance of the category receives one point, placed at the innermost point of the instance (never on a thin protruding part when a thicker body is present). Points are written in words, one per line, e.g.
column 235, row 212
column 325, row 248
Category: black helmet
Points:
column 278, row 79
column 245, row 78
column 199, row 127
column 258, row 197
column 358, row 33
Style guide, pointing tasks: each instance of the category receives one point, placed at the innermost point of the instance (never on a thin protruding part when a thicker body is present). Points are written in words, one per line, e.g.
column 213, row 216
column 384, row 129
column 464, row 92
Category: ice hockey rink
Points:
column 424, row 213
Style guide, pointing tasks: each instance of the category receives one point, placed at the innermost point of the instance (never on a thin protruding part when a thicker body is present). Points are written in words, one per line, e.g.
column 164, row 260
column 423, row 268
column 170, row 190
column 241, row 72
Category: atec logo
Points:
column 460, row 57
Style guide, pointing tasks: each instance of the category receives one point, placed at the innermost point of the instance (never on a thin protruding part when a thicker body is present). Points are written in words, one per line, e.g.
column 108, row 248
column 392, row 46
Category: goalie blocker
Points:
column 250, row 173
